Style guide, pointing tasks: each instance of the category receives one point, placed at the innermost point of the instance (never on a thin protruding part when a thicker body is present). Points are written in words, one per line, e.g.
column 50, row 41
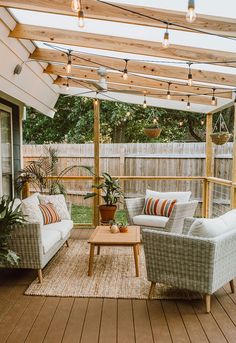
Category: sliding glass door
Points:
column 6, row 150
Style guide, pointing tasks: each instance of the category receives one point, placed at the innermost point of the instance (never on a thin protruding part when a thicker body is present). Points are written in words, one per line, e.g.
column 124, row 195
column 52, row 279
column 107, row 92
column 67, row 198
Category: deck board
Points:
column 33, row 319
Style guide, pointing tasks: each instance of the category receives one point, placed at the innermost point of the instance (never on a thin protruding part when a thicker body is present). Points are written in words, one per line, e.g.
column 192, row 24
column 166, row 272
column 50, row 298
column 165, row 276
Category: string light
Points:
column 168, row 96
column 75, row 5
column 181, row 123
column 128, row 114
column 191, row 14
column 144, row 102
column 166, row 41
column 81, row 15
column 96, row 100
column 67, row 84
column 202, row 122
column 125, row 71
column 68, row 66
column 190, row 75
column 213, row 99
column 188, row 103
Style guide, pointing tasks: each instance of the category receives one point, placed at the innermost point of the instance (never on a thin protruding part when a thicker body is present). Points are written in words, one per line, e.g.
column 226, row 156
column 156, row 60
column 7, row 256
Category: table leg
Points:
column 91, row 255
column 98, row 250
column 135, row 248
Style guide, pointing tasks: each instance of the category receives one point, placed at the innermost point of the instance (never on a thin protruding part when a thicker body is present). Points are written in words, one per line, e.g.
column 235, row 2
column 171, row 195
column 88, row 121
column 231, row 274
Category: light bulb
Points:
column 75, row 5
column 81, row 18
column 213, row 101
column 181, row 123
column 125, row 74
column 168, row 96
column 145, row 104
column 128, row 114
column 155, row 121
column 202, row 122
column 191, row 14
column 68, row 67
column 67, row 85
column 166, row 41
column 188, row 105
column 96, row 102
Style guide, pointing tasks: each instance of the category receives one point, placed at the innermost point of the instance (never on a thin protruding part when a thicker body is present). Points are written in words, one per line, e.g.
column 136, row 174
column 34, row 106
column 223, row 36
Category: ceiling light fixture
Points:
column 68, row 66
column 166, row 41
column 168, row 96
column 188, row 103
column 191, row 14
column 190, row 75
column 125, row 71
column 213, row 99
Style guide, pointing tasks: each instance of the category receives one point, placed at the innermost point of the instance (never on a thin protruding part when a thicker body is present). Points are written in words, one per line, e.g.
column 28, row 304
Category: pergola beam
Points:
column 120, row 44
column 120, row 87
column 154, row 69
column 97, row 10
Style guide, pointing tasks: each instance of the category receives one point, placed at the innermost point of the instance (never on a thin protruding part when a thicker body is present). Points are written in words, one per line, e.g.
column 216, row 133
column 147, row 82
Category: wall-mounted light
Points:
column 191, row 14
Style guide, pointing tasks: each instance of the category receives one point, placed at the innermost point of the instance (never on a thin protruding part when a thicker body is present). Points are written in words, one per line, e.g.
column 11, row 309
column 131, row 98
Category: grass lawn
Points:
column 84, row 214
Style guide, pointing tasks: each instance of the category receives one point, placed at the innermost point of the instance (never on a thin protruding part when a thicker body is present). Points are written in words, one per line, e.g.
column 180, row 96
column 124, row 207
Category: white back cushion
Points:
column 229, row 219
column 209, row 228
column 179, row 196
column 30, row 208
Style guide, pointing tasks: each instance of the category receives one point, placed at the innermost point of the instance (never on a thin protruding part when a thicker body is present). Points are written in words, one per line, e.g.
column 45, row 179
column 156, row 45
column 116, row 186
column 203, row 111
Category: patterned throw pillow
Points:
column 159, row 207
column 49, row 214
column 58, row 202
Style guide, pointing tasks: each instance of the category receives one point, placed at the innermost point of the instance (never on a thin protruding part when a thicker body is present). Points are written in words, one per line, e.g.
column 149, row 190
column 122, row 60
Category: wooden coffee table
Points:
column 103, row 237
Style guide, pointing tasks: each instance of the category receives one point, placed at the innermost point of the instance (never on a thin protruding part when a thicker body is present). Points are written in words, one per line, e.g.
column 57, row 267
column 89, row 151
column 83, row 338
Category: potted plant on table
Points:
column 9, row 215
column 111, row 193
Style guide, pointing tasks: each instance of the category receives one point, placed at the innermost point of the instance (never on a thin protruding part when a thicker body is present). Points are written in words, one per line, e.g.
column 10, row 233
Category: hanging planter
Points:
column 220, row 133
column 153, row 130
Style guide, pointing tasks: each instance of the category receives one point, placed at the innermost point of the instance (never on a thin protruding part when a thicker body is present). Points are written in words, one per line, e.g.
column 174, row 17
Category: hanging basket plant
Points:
column 220, row 133
column 153, row 130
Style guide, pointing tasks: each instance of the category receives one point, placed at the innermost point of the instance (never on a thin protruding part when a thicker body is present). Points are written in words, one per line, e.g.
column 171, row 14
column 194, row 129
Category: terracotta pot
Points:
column 107, row 213
column 152, row 132
column 123, row 229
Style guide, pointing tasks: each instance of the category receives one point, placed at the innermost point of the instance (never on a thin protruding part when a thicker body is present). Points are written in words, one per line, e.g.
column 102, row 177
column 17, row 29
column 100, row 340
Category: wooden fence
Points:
column 141, row 159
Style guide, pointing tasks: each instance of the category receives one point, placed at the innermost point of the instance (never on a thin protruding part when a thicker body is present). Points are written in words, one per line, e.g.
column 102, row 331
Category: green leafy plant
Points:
column 44, row 175
column 110, row 190
column 8, row 217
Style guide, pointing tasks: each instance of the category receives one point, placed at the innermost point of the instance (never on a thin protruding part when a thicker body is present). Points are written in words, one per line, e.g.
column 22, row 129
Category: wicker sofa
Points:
column 36, row 244
column 174, row 223
column 197, row 263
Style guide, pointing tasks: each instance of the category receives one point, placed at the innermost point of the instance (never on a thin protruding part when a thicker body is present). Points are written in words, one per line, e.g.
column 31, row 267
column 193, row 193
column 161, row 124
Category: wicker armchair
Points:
column 134, row 207
column 194, row 263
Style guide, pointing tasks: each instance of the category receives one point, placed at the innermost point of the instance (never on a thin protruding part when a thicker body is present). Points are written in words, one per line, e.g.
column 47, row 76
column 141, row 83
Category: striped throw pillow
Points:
column 49, row 214
column 159, row 207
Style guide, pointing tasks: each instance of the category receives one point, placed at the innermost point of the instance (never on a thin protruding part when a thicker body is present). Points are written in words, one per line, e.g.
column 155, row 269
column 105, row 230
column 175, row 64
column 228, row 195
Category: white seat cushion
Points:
column 49, row 238
column 149, row 220
column 63, row 227
column 179, row 196
column 209, row 228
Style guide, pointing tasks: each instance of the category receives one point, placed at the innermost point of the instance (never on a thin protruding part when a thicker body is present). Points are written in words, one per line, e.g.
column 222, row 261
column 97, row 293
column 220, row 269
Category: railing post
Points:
column 209, row 166
column 96, row 201
column 233, row 187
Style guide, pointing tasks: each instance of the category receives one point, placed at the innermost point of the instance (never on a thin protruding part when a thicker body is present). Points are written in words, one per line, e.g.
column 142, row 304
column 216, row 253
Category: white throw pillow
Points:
column 179, row 196
column 209, row 228
column 230, row 219
column 58, row 202
column 30, row 208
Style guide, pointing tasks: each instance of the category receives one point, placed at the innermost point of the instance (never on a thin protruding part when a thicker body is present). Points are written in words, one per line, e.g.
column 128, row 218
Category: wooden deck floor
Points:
column 52, row 319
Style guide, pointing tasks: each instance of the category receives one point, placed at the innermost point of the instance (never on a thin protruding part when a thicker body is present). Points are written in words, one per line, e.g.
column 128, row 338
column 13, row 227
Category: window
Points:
column 6, row 158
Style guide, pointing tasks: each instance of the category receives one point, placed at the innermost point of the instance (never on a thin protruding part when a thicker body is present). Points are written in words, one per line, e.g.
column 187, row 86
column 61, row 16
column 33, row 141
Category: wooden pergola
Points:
column 119, row 35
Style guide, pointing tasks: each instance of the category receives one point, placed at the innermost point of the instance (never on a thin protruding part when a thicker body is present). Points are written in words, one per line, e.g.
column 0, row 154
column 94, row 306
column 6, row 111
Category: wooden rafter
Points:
column 133, row 80
column 97, row 10
column 120, row 88
column 163, row 71
column 121, row 44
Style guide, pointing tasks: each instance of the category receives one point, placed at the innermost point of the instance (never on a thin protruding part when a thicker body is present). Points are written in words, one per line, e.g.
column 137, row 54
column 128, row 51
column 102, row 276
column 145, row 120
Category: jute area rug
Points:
column 113, row 276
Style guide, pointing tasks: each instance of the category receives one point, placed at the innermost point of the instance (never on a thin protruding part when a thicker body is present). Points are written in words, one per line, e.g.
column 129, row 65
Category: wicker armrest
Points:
column 134, row 207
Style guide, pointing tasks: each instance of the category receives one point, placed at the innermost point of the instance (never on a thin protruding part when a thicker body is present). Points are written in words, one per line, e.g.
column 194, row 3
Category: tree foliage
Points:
column 120, row 122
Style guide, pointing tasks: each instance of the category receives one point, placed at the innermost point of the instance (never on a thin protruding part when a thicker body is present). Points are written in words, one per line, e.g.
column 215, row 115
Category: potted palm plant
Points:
column 9, row 215
column 111, row 193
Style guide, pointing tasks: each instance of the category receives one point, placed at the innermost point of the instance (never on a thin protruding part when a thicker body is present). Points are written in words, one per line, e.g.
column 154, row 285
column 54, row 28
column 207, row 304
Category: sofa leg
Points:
column 232, row 286
column 67, row 243
column 208, row 303
column 152, row 287
column 40, row 275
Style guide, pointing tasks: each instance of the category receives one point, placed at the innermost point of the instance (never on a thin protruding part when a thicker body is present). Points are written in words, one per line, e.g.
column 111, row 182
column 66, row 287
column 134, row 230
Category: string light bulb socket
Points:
column 81, row 18
column 188, row 103
column 67, row 84
column 145, row 102
column 168, row 96
column 213, row 99
column 190, row 75
column 125, row 71
column 166, row 39
column 75, row 5
column 69, row 62
column 191, row 14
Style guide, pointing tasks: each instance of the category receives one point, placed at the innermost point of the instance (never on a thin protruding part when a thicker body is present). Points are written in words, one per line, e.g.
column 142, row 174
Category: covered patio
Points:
column 146, row 54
